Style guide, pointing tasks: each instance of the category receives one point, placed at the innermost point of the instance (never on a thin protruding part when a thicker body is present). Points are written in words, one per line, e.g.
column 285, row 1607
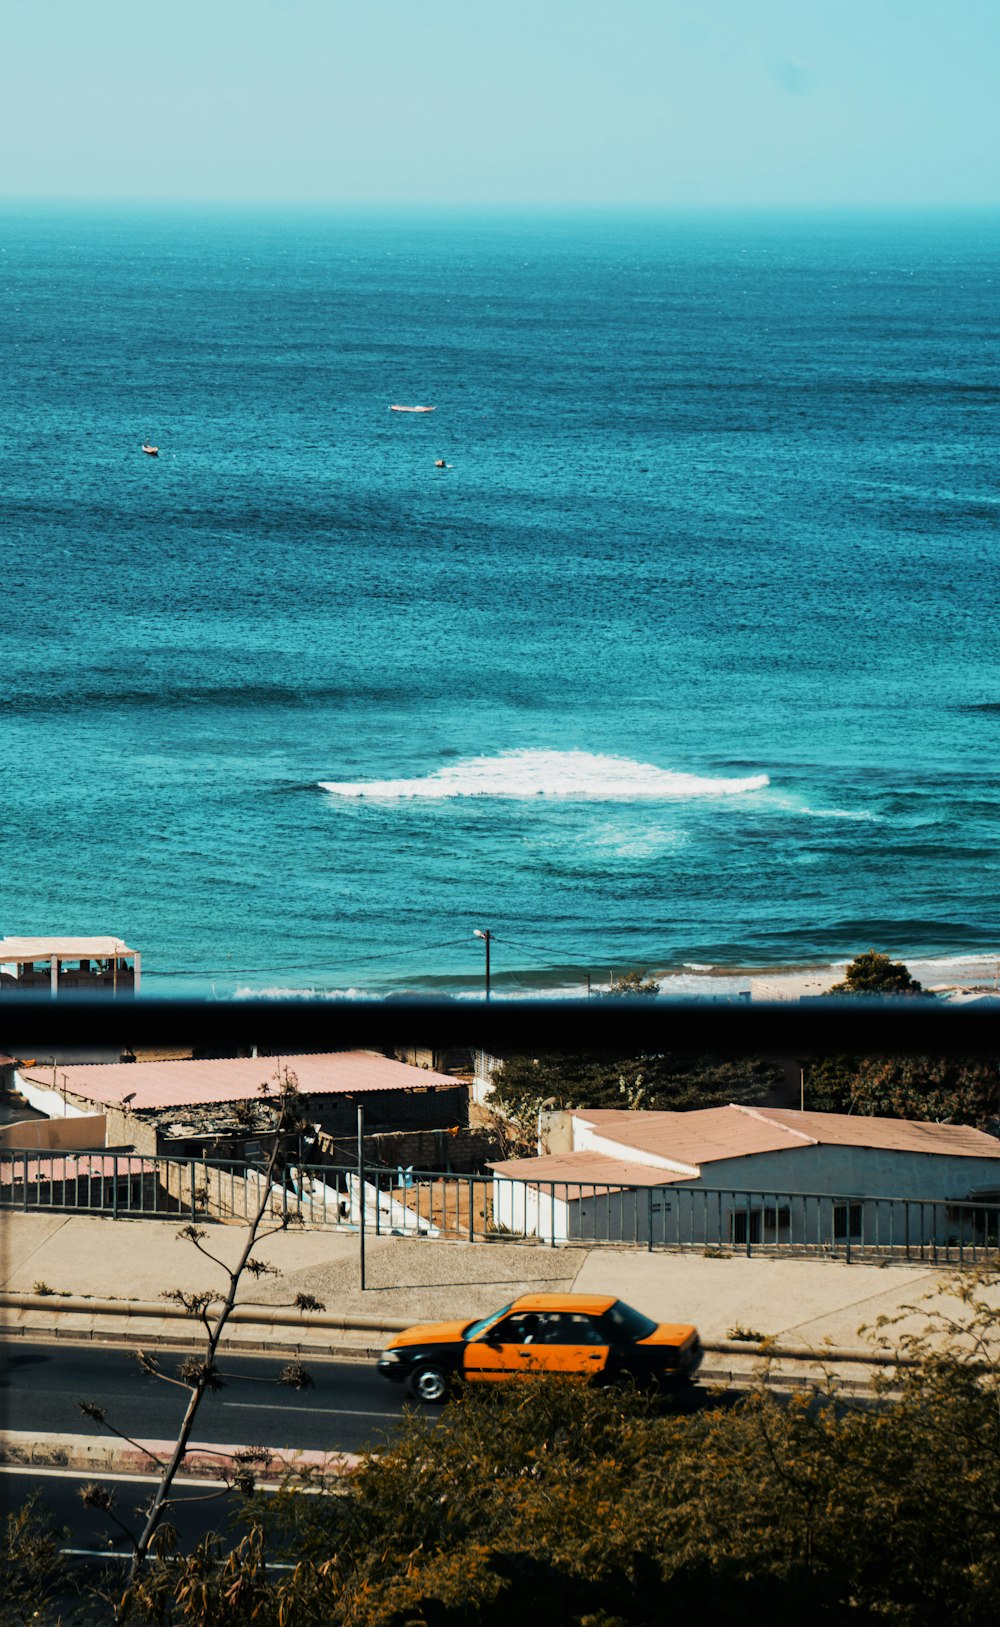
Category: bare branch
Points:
column 296, row 1376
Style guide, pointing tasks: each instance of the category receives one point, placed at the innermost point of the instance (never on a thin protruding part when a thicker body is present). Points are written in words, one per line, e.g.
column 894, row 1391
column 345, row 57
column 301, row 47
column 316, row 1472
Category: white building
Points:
column 744, row 1175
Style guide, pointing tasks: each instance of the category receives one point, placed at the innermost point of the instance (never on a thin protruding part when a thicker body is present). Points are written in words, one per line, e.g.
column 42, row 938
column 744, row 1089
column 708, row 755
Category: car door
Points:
column 574, row 1343
column 508, row 1349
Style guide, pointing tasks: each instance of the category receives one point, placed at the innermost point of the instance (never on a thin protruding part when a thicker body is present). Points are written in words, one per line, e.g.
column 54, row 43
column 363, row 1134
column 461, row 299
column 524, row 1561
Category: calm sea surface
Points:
column 689, row 658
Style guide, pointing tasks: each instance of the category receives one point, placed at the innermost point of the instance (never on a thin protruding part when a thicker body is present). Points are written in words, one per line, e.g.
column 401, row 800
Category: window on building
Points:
column 847, row 1219
column 767, row 1224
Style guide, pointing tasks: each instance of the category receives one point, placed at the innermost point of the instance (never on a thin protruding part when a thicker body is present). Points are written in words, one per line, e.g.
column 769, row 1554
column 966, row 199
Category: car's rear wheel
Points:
column 430, row 1384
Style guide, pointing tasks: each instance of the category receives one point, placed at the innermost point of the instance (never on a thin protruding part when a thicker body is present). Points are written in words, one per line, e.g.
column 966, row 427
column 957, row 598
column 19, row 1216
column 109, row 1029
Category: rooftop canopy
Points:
column 23, row 951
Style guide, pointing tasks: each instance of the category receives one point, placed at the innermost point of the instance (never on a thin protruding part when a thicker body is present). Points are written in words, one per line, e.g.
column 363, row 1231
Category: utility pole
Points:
column 487, row 938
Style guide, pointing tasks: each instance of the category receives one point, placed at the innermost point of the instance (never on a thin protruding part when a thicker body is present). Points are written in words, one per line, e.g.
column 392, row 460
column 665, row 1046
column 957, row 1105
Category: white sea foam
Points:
column 571, row 775
column 842, row 813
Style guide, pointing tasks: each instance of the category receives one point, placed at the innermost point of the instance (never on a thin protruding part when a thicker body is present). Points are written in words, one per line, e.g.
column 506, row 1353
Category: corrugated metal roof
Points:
column 153, row 1085
column 891, row 1135
column 705, row 1135
column 698, row 1137
column 68, row 1166
column 586, row 1168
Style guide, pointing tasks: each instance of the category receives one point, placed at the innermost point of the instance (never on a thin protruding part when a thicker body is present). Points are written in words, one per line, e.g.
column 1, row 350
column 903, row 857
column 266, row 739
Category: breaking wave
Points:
column 573, row 775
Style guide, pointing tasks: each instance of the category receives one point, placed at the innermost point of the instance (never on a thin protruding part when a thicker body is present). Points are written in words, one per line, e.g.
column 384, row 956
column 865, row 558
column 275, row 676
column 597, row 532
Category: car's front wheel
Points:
column 430, row 1384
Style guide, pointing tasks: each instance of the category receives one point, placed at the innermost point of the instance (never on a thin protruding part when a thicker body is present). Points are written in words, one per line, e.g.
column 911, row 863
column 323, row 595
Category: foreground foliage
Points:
column 596, row 1508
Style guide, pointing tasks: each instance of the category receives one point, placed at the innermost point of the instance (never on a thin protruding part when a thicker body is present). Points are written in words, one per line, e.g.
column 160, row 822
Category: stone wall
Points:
column 464, row 1151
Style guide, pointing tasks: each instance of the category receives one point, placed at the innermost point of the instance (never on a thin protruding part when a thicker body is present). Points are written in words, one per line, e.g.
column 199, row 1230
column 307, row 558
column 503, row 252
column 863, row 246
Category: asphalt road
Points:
column 195, row 1509
column 349, row 1408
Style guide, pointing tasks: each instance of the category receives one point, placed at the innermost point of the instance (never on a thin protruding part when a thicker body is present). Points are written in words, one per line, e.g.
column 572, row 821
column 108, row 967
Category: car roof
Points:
column 595, row 1304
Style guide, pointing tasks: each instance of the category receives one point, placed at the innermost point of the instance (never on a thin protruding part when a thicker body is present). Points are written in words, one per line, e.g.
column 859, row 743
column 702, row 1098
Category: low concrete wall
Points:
column 56, row 1135
column 106, row 1454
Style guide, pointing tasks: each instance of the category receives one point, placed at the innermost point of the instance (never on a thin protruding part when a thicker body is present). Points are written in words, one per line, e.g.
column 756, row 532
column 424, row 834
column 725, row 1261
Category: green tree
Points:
column 631, row 983
column 945, row 1090
column 665, row 1082
column 875, row 973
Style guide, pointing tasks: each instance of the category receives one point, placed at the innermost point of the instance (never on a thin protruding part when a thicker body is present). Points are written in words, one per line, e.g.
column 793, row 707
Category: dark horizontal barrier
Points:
column 901, row 1026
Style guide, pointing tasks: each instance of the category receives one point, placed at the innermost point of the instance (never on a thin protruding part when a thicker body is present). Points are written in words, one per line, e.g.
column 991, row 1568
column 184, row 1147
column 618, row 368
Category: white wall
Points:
column 526, row 1212
column 47, row 1100
column 587, row 1138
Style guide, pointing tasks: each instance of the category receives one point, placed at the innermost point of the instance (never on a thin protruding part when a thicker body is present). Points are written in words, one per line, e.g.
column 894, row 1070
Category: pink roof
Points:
column 693, row 1138
column 706, row 1135
column 154, row 1085
column 587, row 1168
column 67, row 1166
column 894, row 1135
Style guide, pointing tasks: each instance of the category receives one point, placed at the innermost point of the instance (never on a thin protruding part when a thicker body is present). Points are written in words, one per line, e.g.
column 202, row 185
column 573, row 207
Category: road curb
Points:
column 132, row 1313
column 260, row 1315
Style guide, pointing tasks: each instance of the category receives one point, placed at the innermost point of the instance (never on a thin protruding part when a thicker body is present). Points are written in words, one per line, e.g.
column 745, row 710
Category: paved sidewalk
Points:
column 807, row 1302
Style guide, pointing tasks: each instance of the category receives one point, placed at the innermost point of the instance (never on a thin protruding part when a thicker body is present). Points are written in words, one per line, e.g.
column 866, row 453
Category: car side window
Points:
column 516, row 1330
column 572, row 1328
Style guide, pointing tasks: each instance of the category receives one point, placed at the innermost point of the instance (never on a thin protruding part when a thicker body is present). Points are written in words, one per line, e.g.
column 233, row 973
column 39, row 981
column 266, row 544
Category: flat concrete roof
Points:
column 24, row 950
column 155, row 1085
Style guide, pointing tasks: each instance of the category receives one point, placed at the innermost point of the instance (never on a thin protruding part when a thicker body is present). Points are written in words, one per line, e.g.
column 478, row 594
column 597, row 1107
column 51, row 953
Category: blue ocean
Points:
column 669, row 639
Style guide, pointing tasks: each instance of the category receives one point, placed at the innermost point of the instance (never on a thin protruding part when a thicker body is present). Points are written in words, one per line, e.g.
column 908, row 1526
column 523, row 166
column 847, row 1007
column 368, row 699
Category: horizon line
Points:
column 498, row 207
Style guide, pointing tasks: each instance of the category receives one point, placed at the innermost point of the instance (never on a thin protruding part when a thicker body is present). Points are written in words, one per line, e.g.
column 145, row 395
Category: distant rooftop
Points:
column 23, row 950
column 155, row 1085
column 19, row 1167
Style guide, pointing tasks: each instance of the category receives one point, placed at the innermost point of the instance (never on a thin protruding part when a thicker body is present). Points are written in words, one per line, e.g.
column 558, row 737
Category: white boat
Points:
column 412, row 409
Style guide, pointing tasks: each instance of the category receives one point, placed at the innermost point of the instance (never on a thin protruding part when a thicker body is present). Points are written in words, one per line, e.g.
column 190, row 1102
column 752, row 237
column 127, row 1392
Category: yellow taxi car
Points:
column 588, row 1336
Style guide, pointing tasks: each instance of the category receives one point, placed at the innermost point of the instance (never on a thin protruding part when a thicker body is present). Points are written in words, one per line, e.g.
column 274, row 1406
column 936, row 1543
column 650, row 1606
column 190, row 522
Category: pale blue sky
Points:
column 571, row 103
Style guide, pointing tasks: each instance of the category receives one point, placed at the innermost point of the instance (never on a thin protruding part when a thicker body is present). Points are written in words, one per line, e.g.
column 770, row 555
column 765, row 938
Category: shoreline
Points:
column 954, row 976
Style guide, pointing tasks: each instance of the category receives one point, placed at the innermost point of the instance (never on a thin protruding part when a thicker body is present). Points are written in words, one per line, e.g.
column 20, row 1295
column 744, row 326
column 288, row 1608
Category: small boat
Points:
column 150, row 451
column 412, row 409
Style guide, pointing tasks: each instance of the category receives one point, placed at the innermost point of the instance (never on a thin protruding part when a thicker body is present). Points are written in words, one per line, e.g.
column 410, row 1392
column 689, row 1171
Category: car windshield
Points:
column 630, row 1322
column 486, row 1322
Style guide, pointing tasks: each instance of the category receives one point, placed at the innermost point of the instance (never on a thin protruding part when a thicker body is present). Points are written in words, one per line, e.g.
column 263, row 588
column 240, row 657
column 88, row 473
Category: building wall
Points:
column 866, row 1171
column 388, row 1110
column 56, row 1134
column 523, row 1210
column 704, row 1217
column 485, row 1067
column 462, row 1151
column 50, row 1101
column 128, row 1129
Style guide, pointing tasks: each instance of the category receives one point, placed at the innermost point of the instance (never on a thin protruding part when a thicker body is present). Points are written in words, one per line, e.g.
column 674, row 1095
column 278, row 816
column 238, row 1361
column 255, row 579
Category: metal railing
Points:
column 479, row 1208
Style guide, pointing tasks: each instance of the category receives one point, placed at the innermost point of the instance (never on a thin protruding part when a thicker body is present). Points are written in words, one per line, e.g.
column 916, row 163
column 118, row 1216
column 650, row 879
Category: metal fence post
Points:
column 472, row 1209
column 194, row 1205
column 114, row 1189
column 552, row 1196
column 649, row 1232
column 361, row 1194
column 749, row 1228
